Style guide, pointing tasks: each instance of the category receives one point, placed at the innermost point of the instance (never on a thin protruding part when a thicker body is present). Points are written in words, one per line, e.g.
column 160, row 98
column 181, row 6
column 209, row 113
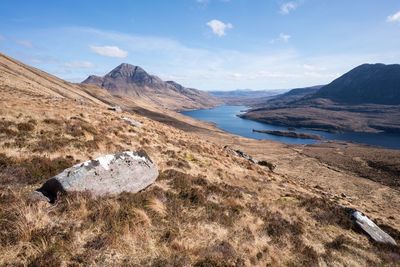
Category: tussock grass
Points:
column 31, row 170
column 326, row 212
column 205, row 209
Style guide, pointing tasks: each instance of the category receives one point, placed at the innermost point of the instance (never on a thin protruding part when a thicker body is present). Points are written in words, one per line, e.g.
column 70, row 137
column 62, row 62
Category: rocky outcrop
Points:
column 110, row 174
column 241, row 154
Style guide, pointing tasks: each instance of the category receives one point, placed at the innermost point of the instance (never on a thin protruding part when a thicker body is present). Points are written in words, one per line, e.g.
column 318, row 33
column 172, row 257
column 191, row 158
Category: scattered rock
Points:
column 268, row 164
column 110, row 174
column 115, row 108
column 132, row 122
column 371, row 229
column 241, row 154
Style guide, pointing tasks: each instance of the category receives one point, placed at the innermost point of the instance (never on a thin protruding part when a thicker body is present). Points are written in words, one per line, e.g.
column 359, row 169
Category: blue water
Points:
column 225, row 118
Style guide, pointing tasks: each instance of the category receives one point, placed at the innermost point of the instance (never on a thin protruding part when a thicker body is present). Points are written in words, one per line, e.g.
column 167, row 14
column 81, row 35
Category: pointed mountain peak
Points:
column 127, row 70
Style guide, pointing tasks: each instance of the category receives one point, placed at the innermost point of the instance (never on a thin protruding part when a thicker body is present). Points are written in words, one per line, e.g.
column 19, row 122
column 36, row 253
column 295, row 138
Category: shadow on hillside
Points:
column 166, row 120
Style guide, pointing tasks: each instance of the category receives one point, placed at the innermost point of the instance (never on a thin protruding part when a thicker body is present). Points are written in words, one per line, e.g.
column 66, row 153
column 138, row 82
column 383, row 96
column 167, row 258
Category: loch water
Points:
column 225, row 118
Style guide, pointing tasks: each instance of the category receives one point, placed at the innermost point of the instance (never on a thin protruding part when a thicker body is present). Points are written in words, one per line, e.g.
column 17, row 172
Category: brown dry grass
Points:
column 207, row 208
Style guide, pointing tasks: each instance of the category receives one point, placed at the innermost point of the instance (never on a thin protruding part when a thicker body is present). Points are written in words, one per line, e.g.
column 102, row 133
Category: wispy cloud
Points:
column 394, row 18
column 288, row 7
column 77, row 64
column 283, row 38
column 25, row 43
column 218, row 27
column 109, row 51
column 2, row 38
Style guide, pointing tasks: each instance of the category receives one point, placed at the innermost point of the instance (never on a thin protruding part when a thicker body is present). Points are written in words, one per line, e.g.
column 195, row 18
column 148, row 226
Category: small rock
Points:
column 115, row 108
column 132, row 122
column 268, row 164
column 318, row 187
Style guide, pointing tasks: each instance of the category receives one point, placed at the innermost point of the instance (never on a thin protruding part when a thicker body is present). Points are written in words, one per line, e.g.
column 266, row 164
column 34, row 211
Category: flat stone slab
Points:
column 370, row 228
column 109, row 174
column 132, row 122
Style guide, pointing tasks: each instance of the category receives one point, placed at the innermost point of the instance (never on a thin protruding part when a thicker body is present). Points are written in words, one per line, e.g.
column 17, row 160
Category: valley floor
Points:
column 207, row 208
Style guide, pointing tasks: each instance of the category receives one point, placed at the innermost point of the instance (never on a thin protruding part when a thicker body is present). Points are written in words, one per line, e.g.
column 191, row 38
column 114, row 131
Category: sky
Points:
column 204, row 44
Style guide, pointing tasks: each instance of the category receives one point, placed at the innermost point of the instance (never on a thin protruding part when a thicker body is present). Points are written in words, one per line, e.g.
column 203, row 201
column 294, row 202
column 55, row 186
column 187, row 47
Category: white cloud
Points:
column 24, row 43
column 287, row 7
column 218, row 27
column 109, row 51
column 394, row 18
column 284, row 38
column 2, row 38
column 76, row 64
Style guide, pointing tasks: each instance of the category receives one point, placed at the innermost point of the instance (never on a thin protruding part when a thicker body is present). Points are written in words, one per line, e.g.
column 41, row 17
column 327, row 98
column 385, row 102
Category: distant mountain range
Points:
column 130, row 80
column 293, row 95
column 247, row 93
column 368, row 83
column 246, row 97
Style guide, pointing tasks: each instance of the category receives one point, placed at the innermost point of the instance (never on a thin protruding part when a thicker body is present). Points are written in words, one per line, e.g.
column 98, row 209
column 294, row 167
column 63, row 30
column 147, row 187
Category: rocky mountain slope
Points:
column 366, row 99
column 129, row 80
column 368, row 83
column 210, row 206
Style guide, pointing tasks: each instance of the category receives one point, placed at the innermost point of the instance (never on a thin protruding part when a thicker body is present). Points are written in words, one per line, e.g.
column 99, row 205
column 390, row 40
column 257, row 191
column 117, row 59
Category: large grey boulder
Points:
column 371, row 229
column 109, row 174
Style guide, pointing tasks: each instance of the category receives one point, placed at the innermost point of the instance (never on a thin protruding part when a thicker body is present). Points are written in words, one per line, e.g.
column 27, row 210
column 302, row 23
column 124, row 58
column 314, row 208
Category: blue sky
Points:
column 205, row 44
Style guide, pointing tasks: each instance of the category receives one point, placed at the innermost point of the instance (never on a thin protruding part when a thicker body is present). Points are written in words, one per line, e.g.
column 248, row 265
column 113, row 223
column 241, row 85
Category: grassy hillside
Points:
column 207, row 208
